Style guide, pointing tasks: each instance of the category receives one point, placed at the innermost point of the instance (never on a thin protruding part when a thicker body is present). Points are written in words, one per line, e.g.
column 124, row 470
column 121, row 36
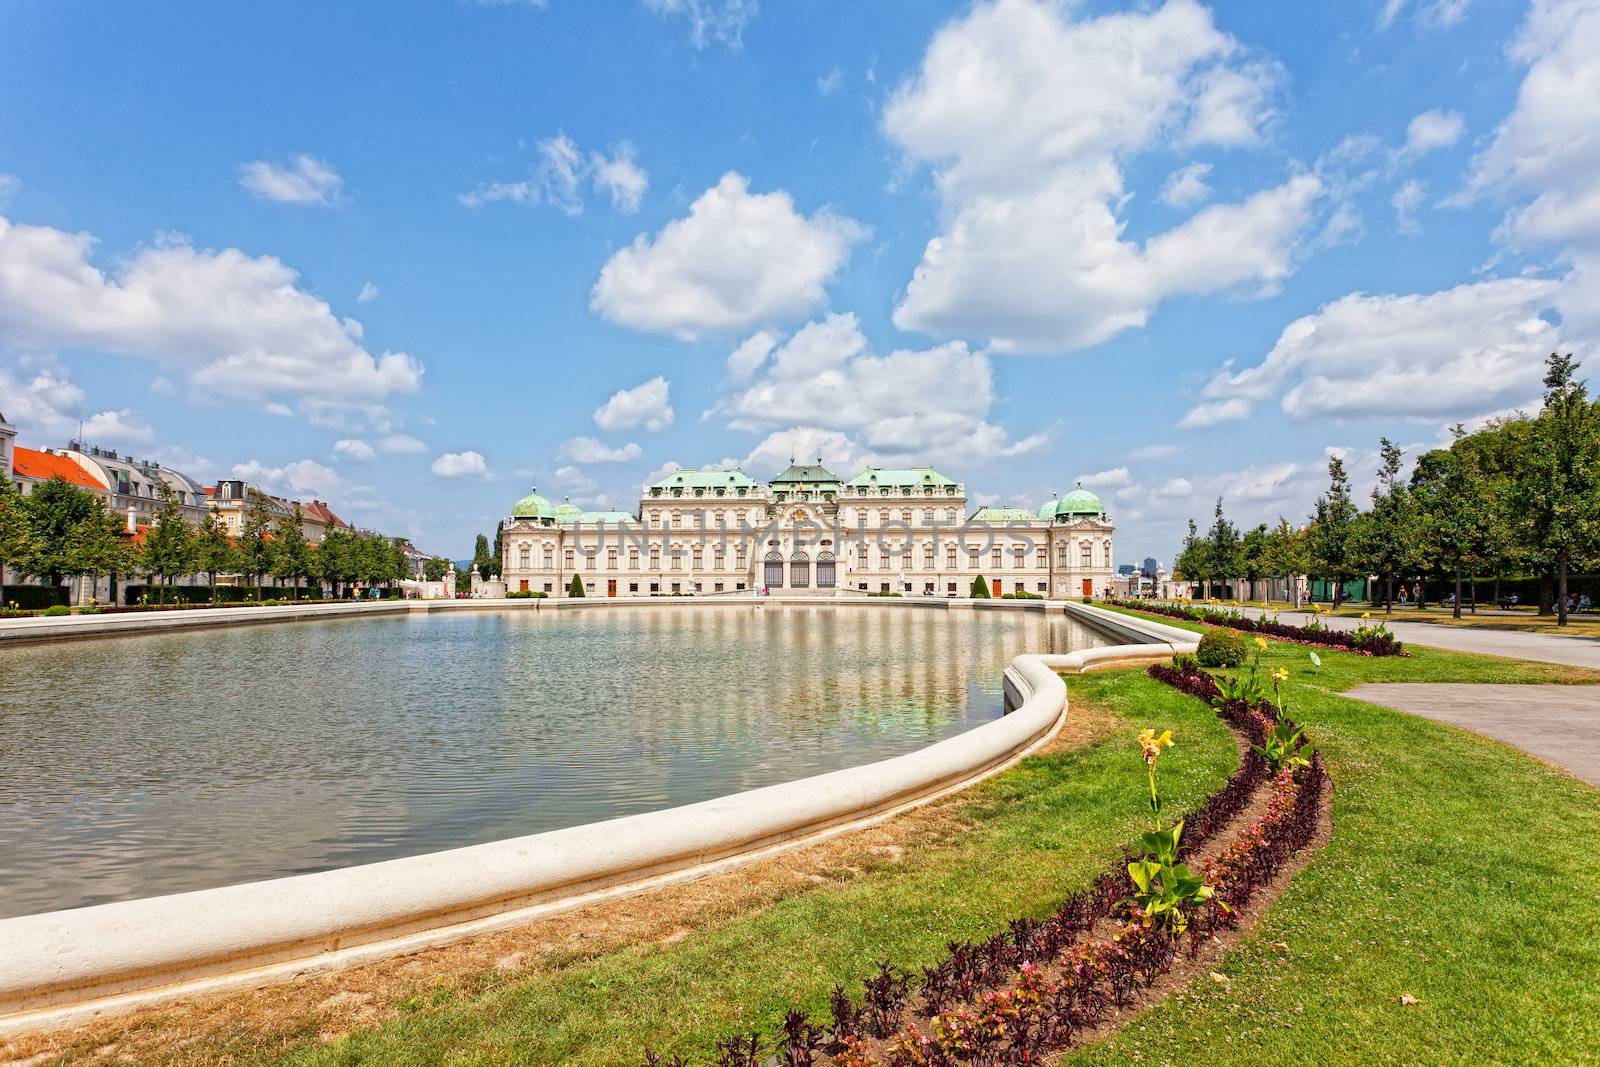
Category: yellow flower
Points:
column 1153, row 745
column 1366, row 614
column 1280, row 675
column 1261, row 644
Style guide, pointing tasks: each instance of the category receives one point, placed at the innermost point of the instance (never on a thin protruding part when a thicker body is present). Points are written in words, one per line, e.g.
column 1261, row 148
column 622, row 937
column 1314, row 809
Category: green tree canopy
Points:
column 291, row 552
column 1557, row 487
column 255, row 544
column 213, row 551
column 168, row 550
column 55, row 513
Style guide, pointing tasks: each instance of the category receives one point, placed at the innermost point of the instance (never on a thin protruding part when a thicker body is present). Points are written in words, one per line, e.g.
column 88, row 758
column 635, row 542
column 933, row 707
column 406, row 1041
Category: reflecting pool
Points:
column 162, row 763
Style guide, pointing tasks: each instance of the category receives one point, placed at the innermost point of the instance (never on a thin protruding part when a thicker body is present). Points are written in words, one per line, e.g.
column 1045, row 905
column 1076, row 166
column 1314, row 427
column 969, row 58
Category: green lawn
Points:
column 1048, row 824
column 1455, row 875
column 1459, row 873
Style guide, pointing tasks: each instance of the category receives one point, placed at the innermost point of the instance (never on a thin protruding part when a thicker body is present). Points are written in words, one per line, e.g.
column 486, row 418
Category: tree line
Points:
column 60, row 531
column 1518, row 497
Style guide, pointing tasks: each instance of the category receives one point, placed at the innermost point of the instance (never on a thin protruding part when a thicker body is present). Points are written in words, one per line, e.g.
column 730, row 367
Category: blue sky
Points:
column 413, row 259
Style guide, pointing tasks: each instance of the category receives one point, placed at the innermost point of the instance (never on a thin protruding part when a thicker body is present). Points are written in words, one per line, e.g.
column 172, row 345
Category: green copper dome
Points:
column 1080, row 503
column 533, row 506
column 567, row 511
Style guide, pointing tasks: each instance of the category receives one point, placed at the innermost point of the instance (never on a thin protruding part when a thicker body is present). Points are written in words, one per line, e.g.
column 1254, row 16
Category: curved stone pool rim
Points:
column 64, row 967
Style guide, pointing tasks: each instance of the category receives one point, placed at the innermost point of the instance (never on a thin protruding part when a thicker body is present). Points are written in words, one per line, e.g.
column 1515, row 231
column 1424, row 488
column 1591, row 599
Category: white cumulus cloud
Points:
column 467, row 464
column 593, row 450
column 738, row 260
column 1010, row 109
column 620, row 176
column 905, row 406
column 645, row 406
column 306, row 180
column 239, row 326
column 1453, row 354
column 354, row 448
column 1187, row 186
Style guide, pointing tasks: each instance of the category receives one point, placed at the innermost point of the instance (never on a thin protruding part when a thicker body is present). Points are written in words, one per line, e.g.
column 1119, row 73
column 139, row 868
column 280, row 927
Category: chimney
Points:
column 133, row 522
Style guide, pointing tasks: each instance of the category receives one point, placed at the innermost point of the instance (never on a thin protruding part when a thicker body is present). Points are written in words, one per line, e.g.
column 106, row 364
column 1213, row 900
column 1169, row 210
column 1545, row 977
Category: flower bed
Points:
column 1373, row 640
column 1031, row 989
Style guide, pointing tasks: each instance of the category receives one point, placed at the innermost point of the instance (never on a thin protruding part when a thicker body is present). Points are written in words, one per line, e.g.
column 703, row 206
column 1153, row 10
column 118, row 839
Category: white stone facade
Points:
column 807, row 533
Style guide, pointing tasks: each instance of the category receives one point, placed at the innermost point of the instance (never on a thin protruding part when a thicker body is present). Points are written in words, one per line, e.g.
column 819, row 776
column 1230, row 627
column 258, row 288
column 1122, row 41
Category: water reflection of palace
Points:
column 807, row 533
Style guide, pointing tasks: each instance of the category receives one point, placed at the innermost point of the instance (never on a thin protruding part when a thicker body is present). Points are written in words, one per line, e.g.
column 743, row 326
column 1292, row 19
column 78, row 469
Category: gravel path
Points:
column 1559, row 724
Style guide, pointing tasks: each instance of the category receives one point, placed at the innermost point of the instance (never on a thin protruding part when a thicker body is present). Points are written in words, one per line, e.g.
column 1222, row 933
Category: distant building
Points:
column 807, row 532
column 135, row 484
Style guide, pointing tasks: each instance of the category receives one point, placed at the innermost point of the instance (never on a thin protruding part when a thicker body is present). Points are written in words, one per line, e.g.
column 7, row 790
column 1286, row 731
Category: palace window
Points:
column 950, row 557
column 524, row 557
column 826, row 573
column 1063, row 560
column 655, row 559
column 1086, row 555
column 772, row 571
column 570, row 559
column 927, row 557
column 1108, row 554
column 611, row 559
column 972, row 558
column 905, row 516
column 995, row 558
column 800, row 570
column 633, row 560
column 1043, row 559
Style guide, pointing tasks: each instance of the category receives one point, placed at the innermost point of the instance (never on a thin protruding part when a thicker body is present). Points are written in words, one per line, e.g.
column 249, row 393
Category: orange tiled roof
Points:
column 320, row 512
column 42, row 466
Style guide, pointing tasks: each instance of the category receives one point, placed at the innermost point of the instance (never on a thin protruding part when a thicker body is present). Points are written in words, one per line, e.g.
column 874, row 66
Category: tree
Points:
column 213, row 551
column 1253, row 563
column 980, row 588
column 255, row 543
column 576, row 587
column 97, row 546
column 291, row 552
column 14, row 533
column 1454, row 509
column 53, row 513
column 482, row 558
column 1329, row 542
column 1223, row 555
column 1287, row 556
column 336, row 559
column 499, row 541
column 434, row 570
column 169, row 545
column 1559, row 486
column 1387, row 544
column 1193, row 563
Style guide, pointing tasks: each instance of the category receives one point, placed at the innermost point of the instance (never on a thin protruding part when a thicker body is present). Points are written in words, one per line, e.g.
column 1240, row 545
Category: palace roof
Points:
column 691, row 479
column 1080, row 503
column 1004, row 515
column 808, row 473
column 908, row 478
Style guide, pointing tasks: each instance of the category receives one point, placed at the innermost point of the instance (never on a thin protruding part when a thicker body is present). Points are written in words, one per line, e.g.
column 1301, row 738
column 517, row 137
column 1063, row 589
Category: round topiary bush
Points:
column 1220, row 648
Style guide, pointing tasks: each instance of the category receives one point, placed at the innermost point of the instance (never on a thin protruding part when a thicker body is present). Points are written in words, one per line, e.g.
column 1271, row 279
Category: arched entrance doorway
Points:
column 772, row 571
column 800, row 571
column 825, row 570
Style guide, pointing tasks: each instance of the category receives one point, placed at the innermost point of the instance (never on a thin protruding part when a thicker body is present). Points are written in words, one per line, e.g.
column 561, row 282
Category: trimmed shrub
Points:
column 980, row 591
column 33, row 597
column 525, row 594
column 576, row 586
column 58, row 609
column 1220, row 648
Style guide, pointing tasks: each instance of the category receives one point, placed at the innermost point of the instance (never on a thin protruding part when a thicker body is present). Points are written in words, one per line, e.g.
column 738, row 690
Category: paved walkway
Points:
column 1559, row 724
column 1549, row 648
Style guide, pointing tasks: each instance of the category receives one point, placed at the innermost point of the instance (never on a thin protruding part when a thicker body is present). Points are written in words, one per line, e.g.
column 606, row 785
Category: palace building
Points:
column 809, row 533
